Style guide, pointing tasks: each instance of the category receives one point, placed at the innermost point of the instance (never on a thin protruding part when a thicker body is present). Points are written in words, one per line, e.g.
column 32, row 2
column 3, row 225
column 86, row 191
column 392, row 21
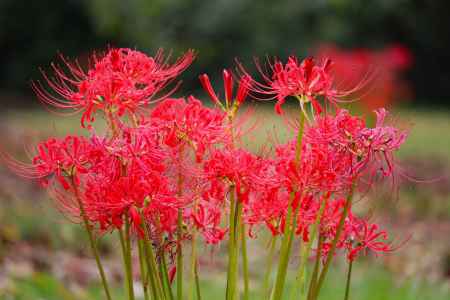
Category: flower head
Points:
column 304, row 79
column 119, row 82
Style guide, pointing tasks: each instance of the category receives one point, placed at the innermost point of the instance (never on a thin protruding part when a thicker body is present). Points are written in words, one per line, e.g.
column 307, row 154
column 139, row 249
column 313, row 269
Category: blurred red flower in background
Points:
column 384, row 67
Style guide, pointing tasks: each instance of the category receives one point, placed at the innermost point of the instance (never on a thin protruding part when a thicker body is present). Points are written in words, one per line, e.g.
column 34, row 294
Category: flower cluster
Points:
column 170, row 171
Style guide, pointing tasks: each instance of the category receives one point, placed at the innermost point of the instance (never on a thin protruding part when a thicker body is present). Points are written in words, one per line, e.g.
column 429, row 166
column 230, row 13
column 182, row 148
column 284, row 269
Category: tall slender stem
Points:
column 349, row 277
column 306, row 249
column 234, row 261
column 165, row 276
column 126, row 263
column 244, row 262
column 155, row 279
column 180, row 238
column 231, row 243
column 92, row 242
column 124, row 255
column 289, row 225
column 269, row 264
column 194, row 284
column 286, row 244
column 339, row 229
column 144, row 272
column 313, row 282
column 129, row 258
column 152, row 272
column 197, row 282
column 179, row 255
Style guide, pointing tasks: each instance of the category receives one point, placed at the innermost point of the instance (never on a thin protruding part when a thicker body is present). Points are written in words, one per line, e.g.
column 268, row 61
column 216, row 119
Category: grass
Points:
column 429, row 133
column 45, row 286
column 369, row 283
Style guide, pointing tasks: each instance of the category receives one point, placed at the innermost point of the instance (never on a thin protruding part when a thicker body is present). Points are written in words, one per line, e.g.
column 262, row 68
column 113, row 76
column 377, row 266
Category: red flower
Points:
column 119, row 82
column 189, row 123
column 55, row 159
column 362, row 236
column 306, row 80
column 207, row 218
column 234, row 166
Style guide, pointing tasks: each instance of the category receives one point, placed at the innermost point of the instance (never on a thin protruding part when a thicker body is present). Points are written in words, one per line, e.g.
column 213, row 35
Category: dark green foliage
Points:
column 31, row 32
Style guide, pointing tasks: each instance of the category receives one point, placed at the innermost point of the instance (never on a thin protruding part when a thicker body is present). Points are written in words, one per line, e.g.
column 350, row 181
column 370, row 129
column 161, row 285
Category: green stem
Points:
column 165, row 277
column 234, row 261
column 92, row 242
column 269, row 264
column 194, row 288
column 305, row 251
column 155, row 279
column 244, row 262
column 312, row 284
column 144, row 274
column 151, row 272
column 126, row 262
column 124, row 256
column 197, row 282
column 349, row 277
column 179, row 262
column 289, row 229
column 179, row 255
column 129, row 258
column 286, row 244
column 339, row 229
column 231, row 243
column 98, row 261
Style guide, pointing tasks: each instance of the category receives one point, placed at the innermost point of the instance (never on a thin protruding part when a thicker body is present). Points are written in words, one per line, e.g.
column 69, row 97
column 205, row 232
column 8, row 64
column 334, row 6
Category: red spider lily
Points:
column 207, row 218
column 361, row 148
column 56, row 158
column 267, row 207
column 337, row 151
column 307, row 214
column 119, row 82
column 384, row 141
column 302, row 79
column 189, row 123
column 362, row 236
column 128, row 172
column 267, row 200
column 236, row 167
column 305, row 79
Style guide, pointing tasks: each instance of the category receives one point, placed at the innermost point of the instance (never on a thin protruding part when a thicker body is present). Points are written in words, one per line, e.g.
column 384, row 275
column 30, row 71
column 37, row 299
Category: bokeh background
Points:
column 405, row 43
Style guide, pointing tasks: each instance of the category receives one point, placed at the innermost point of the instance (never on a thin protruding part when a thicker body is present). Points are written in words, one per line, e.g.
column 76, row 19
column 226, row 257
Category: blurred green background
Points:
column 43, row 256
